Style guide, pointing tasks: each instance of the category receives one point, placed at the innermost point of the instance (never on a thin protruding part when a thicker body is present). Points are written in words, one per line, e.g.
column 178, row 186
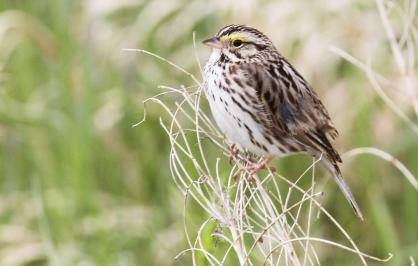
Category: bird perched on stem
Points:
column 263, row 105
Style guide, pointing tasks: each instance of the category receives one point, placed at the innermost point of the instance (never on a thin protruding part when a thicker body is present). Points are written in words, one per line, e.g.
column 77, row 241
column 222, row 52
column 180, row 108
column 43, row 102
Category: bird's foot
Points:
column 253, row 167
column 233, row 152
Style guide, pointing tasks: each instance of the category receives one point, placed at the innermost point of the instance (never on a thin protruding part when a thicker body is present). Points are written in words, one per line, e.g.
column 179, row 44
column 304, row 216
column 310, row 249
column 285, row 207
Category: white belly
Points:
column 237, row 125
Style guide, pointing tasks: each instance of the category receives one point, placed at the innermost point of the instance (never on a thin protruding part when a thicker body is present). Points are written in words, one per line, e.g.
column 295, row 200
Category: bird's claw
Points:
column 233, row 152
column 253, row 167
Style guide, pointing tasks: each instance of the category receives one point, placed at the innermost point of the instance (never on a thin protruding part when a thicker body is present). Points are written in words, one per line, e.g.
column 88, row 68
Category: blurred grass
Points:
column 80, row 186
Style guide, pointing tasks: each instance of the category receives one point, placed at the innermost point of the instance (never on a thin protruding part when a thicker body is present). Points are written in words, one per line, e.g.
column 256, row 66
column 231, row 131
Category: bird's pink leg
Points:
column 255, row 167
column 250, row 166
column 233, row 152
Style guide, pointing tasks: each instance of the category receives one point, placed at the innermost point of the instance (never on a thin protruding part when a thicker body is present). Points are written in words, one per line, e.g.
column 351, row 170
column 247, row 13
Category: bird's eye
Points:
column 237, row 43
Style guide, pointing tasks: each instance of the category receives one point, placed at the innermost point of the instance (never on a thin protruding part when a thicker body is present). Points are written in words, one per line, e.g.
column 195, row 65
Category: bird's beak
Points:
column 213, row 42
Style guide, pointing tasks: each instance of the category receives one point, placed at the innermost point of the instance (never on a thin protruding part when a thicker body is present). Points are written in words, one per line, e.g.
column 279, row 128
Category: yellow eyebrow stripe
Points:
column 234, row 37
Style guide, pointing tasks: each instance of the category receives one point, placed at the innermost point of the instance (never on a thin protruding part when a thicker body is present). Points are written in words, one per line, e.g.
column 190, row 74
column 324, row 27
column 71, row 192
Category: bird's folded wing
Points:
column 292, row 105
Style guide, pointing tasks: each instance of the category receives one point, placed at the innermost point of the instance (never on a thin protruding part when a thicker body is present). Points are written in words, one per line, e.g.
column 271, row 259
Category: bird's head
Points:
column 240, row 43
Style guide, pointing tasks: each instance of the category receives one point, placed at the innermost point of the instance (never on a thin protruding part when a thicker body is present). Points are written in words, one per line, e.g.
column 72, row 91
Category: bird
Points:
column 264, row 106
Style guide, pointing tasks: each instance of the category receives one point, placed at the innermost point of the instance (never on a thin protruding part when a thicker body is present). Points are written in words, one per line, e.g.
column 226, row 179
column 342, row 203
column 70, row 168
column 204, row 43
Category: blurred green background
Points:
column 81, row 186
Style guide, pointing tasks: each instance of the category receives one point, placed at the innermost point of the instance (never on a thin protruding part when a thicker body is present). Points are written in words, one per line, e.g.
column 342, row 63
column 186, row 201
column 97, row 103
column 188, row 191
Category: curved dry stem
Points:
column 387, row 157
column 390, row 255
column 164, row 60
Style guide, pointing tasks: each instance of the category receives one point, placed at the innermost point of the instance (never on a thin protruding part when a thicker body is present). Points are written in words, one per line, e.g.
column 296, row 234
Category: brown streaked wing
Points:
column 292, row 105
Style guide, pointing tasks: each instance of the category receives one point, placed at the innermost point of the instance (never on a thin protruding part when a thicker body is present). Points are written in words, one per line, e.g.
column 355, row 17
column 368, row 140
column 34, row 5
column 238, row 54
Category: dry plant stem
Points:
column 164, row 60
column 337, row 245
column 408, row 18
column 391, row 37
column 356, row 62
column 310, row 214
column 187, row 152
column 297, row 226
column 280, row 216
column 196, row 55
column 261, row 199
column 237, row 200
column 208, row 256
column 202, row 154
column 387, row 157
column 374, row 79
column 342, row 230
column 405, row 64
column 189, row 242
column 272, row 211
column 389, row 102
column 411, row 259
column 238, row 247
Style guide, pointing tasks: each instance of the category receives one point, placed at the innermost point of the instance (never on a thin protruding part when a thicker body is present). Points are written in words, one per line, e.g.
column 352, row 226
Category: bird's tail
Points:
column 333, row 168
